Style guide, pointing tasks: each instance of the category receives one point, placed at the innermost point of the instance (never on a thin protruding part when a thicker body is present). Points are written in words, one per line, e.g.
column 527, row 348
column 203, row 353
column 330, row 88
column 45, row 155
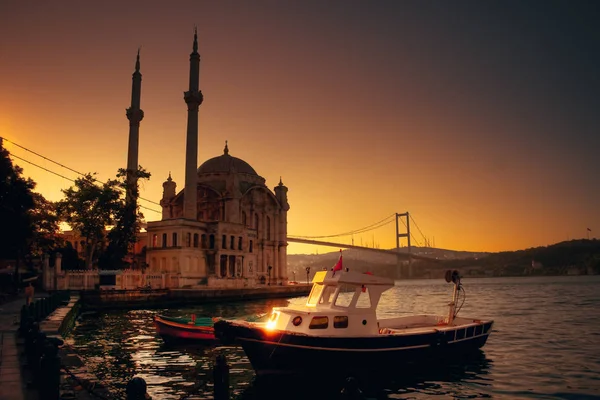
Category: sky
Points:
column 478, row 118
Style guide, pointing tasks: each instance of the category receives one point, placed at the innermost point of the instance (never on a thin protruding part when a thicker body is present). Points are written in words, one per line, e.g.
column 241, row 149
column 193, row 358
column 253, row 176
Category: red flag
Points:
column 338, row 265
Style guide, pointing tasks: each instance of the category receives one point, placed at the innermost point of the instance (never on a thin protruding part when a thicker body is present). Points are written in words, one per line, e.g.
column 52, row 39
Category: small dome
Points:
column 225, row 163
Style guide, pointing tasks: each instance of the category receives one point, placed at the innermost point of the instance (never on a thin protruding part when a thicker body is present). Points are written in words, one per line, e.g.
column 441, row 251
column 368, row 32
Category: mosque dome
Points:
column 225, row 163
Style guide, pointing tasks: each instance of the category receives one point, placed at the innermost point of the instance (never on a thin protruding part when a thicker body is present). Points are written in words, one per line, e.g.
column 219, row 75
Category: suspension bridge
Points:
column 406, row 219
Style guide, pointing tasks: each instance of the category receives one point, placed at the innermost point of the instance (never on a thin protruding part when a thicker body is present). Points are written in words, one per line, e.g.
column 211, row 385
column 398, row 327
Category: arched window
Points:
column 164, row 240
column 154, row 241
column 268, row 228
column 174, row 244
column 188, row 239
column 196, row 239
column 203, row 241
column 211, row 242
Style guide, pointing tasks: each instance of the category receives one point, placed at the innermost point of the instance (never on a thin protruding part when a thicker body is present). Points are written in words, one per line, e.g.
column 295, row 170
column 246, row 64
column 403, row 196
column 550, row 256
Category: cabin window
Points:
column 340, row 321
column 344, row 296
column 364, row 300
column 315, row 294
column 327, row 294
column 196, row 239
column 319, row 322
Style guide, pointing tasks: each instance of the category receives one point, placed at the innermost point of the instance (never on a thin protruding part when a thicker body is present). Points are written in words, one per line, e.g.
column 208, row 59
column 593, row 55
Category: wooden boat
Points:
column 337, row 330
column 179, row 329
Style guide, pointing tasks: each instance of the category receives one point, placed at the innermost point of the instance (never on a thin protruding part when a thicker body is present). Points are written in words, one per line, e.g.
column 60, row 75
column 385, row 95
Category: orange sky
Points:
column 478, row 123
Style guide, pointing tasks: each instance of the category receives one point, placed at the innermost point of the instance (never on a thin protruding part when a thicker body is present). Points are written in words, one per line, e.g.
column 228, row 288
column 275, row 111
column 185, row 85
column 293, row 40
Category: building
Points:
column 226, row 228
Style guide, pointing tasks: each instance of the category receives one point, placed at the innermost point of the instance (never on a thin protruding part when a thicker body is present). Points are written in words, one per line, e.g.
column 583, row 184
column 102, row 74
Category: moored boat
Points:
column 338, row 329
column 179, row 329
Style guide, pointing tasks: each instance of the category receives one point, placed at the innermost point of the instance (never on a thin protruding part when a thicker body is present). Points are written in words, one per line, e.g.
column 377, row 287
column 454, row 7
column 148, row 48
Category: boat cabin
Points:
column 341, row 303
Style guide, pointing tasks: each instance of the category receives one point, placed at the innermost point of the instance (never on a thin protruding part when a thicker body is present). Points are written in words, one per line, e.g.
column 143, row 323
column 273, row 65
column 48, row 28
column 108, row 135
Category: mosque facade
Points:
column 225, row 228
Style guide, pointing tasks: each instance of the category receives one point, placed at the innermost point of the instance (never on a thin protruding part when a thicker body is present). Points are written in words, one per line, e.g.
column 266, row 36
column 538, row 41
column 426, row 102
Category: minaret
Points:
column 193, row 98
column 134, row 115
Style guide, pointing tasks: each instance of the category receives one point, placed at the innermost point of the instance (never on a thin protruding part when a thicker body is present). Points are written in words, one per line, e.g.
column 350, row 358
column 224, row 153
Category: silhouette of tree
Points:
column 16, row 203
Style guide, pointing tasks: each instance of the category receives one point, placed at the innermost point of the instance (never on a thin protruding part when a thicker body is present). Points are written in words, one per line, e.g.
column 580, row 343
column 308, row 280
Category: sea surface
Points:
column 545, row 345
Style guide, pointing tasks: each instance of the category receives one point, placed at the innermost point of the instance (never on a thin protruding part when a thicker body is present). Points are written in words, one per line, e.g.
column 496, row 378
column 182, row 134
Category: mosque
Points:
column 225, row 228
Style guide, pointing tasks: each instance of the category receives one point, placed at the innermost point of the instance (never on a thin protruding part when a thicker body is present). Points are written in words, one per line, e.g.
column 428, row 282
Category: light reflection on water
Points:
column 544, row 345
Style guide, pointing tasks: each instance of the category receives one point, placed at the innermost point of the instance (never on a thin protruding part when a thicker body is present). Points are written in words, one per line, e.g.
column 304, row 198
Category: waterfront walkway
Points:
column 13, row 379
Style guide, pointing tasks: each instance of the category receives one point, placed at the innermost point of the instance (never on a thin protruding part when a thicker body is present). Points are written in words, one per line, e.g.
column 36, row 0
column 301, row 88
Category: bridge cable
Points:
column 371, row 227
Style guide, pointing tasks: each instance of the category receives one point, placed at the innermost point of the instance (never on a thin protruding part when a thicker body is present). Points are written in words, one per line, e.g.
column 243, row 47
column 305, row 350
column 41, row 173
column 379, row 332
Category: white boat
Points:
column 338, row 329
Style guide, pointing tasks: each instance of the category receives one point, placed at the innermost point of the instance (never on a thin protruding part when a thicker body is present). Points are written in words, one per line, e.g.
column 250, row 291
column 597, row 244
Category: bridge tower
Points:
column 407, row 273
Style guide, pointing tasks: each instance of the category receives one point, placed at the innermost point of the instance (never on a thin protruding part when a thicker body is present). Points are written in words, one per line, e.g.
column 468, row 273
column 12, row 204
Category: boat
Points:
column 185, row 329
column 338, row 330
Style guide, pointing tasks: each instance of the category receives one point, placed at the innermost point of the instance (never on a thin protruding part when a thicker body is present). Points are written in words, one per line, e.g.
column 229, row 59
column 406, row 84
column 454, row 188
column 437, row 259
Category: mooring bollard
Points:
column 30, row 338
column 221, row 378
column 136, row 389
column 49, row 382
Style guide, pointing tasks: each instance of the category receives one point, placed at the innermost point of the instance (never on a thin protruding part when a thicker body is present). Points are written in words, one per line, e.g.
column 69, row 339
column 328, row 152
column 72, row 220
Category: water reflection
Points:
column 544, row 345
column 438, row 377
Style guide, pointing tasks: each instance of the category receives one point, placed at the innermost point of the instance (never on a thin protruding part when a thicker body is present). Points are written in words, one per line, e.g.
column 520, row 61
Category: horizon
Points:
column 478, row 119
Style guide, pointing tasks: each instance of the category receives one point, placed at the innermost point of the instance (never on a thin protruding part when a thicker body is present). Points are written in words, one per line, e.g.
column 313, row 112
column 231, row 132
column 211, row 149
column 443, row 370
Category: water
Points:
column 545, row 345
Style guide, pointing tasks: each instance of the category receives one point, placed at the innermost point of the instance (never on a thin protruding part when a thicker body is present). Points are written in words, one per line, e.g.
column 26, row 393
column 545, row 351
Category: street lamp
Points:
column 307, row 273
column 269, row 270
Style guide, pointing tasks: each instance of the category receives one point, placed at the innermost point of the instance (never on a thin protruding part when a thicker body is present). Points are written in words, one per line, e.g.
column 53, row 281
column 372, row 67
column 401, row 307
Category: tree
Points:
column 128, row 218
column 16, row 202
column 89, row 208
column 46, row 233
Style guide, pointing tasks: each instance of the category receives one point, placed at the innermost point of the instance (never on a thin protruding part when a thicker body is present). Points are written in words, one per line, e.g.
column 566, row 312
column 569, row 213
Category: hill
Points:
column 575, row 257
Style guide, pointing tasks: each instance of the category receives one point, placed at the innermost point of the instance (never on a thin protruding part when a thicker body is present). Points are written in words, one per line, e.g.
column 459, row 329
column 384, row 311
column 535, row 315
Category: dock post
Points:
column 49, row 382
column 136, row 389
column 221, row 378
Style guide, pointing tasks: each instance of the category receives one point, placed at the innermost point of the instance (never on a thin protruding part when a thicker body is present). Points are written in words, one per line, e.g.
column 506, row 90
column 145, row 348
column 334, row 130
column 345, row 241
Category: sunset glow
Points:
column 481, row 125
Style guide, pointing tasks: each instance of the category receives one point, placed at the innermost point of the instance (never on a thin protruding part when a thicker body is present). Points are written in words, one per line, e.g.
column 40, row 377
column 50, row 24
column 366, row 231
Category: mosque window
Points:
column 268, row 228
column 244, row 218
column 224, row 242
column 196, row 239
column 155, row 240
column 232, row 243
column 239, row 243
column 250, row 247
column 188, row 239
column 164, row 240
column 212, row 242
column 174, row 244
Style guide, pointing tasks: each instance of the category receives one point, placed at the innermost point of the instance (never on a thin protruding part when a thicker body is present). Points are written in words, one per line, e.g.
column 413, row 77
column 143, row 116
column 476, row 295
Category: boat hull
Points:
column 172, row 331
column 274, row 352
